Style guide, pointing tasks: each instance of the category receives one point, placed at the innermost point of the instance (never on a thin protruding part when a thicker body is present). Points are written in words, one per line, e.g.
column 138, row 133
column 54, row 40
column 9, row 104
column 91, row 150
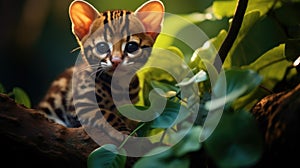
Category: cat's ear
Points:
column 151, row 14
column 82, row 15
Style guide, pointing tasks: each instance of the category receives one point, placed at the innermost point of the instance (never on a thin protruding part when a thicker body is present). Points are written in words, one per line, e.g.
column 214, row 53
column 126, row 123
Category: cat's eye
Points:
column 131, row 47
column 102, row 48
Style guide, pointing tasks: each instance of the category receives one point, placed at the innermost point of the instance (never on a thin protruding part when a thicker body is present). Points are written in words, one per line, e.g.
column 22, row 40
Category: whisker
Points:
column 88, row 67
column 99, row 69
column 75, row 49
column 100, row 72
column 128, row 63
column 94, row 72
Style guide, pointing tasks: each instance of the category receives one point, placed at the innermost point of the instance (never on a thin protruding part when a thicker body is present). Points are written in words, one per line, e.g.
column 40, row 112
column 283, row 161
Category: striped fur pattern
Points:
column 108, row 40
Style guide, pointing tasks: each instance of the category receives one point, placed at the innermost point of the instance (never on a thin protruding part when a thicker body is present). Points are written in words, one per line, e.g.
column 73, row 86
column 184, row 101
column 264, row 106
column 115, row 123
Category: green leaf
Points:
column 162, row 157
column 232, row 85
column 256, row 36
column 167, row 117
column 2, row 89
column 164, row 89
column 182, row 34
column 176, row 50
column 226, row 8
column 271, row 66
column 236, row 141
column 21, row 97
column 213, row 26
column 160, row 71
column 208, row 51
column 243, row 80
column 142, row 113
column 189, row 143
column 288, row 17
column 170, row 157
column 107, row 156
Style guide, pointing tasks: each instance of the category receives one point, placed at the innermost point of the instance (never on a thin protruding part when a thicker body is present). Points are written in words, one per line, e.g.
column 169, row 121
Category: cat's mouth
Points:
column 117, row 63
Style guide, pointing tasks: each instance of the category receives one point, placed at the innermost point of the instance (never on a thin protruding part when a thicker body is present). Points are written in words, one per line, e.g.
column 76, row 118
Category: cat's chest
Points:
column 107, row 90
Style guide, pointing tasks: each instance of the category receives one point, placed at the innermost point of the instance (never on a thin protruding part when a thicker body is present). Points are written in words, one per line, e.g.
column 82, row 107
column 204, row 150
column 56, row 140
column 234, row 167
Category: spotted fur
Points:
column 108, row 40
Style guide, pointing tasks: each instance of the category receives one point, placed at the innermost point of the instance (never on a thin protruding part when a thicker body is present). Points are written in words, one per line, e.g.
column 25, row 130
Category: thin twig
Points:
column 131, row 134
column 232, row 33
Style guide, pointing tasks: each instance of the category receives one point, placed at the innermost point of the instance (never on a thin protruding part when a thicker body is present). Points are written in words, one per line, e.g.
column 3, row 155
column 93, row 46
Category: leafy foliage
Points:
column 173, row 157
column 107, row 156
column 234, row 142
column 2, row 89
column 21, row 97
column 262, row 53
column 18, row 94
column 261, row 58
column 234, row 88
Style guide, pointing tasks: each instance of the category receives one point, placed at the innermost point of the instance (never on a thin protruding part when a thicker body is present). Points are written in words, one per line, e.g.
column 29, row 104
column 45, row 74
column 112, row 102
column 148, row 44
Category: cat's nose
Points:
column 116, row 61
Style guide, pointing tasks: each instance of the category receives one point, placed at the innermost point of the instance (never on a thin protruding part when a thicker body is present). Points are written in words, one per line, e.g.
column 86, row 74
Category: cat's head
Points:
column 116, row 37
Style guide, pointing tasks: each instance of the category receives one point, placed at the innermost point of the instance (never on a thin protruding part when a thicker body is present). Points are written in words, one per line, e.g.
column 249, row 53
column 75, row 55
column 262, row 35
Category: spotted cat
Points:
column 110, row 40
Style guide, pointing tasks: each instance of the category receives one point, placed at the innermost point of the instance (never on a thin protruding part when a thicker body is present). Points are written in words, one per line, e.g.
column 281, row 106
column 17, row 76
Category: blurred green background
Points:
column 36, row 38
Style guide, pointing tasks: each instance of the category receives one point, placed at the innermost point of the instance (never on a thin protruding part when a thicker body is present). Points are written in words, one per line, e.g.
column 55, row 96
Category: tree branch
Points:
column 278, row 119
column 232, row 33
column 29, row 139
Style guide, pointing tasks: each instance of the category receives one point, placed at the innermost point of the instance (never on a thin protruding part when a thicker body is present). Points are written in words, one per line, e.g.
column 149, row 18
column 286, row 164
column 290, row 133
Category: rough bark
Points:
column 278, row 116
column 28, row 138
